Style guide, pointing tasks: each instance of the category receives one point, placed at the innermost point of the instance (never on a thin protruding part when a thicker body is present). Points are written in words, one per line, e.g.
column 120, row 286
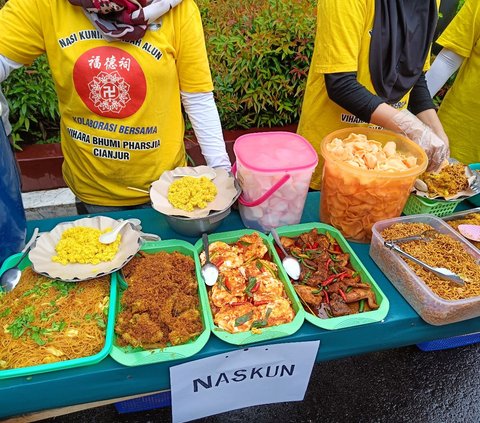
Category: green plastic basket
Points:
column 76, row 362
column 130, row 356
column 352, row 319
column 272, row 332
column 421, row 205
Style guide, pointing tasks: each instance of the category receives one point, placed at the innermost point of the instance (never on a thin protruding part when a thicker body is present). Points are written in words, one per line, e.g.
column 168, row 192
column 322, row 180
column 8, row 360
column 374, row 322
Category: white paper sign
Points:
column 251, row 376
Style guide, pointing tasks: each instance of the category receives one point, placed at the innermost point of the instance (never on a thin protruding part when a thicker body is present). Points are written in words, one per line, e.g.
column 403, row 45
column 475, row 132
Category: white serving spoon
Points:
column 290, row 263
column 109, row 237
column 209, row 270
column 471, row 232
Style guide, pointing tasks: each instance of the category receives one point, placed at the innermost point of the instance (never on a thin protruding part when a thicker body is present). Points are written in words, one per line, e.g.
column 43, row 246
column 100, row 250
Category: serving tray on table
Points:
column 340, row 322
column 130, row 356
column 76, row 362
column 266, row 333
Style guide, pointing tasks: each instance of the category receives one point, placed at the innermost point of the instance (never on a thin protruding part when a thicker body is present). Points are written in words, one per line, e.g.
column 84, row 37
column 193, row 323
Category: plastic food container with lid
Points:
column 274, row 170
column 431, row 308
column 353, row 199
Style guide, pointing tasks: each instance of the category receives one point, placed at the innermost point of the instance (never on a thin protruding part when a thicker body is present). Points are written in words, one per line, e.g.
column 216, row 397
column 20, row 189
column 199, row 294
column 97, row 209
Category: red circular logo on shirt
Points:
column 110, row 82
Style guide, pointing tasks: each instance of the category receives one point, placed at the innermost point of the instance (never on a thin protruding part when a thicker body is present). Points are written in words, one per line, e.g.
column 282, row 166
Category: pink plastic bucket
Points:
column 274, row 170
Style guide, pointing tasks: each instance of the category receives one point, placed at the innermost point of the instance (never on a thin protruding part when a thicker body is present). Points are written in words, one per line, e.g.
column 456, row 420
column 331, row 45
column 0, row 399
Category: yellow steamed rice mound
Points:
column 188, row 192
column 81, row 245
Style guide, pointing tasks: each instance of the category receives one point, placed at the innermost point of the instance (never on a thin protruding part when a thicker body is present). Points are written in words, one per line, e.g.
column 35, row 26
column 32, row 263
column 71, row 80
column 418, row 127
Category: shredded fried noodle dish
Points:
column 160, row 307
column 441, row 251
column 45, row 321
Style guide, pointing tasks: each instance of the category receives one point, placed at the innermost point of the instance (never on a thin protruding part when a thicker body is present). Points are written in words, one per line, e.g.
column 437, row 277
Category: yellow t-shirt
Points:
column 121, row 116
column 342, row 44
column 459, row 111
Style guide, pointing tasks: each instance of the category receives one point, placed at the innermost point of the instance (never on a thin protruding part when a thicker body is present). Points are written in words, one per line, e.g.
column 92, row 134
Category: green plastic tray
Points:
column 130, row 356
column 353, row 319
column 273, row 332
column 76, row 362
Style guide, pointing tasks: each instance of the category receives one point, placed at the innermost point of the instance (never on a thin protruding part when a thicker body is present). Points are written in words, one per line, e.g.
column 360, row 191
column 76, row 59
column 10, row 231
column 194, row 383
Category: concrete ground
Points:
column 393, row 386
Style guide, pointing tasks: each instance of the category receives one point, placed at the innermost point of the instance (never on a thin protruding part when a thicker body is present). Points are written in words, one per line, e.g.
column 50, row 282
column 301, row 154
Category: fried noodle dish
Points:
column 328, row 285
column 448, row 182
column 248, row 294
column 160, row 306
column 441, row 251
column 45, row 321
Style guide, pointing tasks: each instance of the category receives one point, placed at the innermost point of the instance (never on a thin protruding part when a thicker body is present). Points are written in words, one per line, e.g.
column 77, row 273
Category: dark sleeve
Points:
column 344, row 89
column 420, row 98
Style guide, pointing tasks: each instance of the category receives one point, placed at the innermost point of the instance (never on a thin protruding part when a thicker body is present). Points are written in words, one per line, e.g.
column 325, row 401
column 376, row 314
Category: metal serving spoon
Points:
column 441, row 272
column 290, row 263
column 109, row 237
column 11, row 277
column 209, row 270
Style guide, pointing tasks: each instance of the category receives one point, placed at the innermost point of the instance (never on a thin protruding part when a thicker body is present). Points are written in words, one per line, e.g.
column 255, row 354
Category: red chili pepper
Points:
column 325, row 295
column 218, row 262
column 337, row 248
column 312, row 245
column 342, row 294
column 331, row 278
column 237, row 303
column 328, row 263
column 255, row 288
column 227, row 284
column 261, row 302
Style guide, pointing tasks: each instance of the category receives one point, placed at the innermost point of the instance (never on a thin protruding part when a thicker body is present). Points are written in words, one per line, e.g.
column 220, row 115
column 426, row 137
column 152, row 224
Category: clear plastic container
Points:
column 430, row 307
column 462, row 215
column 353, row 199
column 274, row 170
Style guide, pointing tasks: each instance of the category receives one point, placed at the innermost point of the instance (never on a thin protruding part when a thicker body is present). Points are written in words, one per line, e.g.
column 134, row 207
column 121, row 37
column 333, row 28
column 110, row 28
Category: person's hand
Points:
column 436, row 148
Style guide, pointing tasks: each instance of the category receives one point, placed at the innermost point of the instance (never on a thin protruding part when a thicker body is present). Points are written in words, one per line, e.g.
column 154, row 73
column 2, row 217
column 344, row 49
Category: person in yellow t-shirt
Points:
column 459, row 110
column 122, row 71
column 367, row 67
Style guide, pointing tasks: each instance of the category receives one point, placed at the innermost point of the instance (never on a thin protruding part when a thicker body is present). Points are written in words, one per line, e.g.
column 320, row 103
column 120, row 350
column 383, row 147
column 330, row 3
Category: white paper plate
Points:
column 44, row 249
column 225, row 183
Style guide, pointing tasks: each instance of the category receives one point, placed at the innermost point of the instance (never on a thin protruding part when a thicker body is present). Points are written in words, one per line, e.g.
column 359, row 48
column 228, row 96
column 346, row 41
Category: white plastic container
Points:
column 431, row 308
column 274, row 170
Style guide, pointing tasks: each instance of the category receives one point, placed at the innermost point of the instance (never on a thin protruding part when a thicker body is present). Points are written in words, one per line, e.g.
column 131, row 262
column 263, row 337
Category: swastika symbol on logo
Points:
column 109, row 91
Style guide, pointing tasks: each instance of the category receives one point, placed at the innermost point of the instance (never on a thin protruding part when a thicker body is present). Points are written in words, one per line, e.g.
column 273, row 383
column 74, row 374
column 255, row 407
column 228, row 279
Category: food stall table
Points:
column 109, row 379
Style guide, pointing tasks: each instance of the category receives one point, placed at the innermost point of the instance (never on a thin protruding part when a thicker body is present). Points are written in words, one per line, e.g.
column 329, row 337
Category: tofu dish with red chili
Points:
column 248, row 294
column 328, row 285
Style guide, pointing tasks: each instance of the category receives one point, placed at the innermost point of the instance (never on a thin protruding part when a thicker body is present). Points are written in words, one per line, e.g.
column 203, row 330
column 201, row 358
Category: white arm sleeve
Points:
column 443, row 67
column 6, row 66
column 203, row 114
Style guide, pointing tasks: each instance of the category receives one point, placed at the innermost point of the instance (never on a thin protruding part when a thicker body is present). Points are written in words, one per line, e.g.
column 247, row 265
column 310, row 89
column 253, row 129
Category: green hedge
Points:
column 259, row 53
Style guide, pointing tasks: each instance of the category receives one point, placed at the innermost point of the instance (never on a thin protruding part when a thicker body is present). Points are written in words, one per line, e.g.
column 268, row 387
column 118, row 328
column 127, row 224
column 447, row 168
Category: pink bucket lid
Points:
column 274, row 151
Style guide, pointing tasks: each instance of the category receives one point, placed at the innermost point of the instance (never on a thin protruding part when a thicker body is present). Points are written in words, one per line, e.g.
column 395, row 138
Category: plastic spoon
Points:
column 207, row 173
column 109, row 237
column 11, row 277
column 209, row 270
column 290, row 263
column 441, row 272
column 471, row 232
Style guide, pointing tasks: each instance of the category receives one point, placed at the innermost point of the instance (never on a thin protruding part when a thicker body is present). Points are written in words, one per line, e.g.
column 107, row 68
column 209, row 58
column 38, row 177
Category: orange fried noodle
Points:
column 45, row 321
column 441, row 251
column 160, row 307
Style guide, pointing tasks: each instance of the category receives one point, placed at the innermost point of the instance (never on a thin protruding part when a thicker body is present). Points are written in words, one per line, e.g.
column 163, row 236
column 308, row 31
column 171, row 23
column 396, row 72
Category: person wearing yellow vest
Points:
column 122, row 71
column 459, row 110
column 367, row 67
